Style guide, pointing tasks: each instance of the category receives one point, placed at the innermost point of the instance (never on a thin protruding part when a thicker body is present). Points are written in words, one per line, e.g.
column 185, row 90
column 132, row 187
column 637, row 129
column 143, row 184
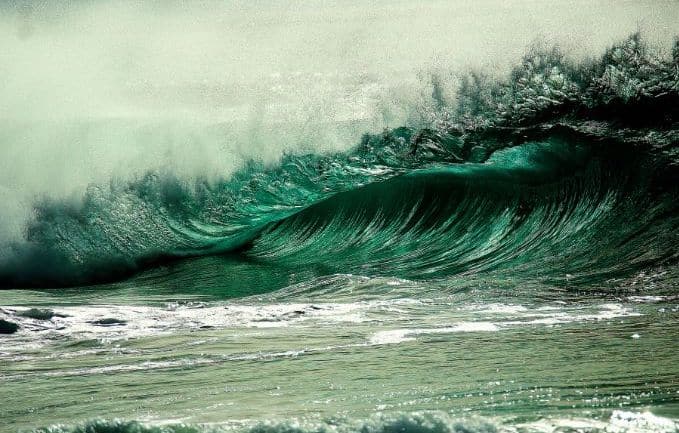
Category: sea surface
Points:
column 511, row 266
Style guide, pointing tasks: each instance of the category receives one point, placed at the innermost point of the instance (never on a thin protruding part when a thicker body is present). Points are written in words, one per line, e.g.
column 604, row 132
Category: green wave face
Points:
column 553, row 211
column 562, row 210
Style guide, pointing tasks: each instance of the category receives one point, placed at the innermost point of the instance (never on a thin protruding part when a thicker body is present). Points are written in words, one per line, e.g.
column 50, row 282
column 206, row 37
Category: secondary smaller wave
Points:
column 417, row 422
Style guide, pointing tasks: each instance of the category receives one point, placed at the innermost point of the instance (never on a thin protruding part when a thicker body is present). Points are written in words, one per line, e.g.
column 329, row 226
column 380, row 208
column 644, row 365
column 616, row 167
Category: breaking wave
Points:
column 417, row 422
column 562, row 171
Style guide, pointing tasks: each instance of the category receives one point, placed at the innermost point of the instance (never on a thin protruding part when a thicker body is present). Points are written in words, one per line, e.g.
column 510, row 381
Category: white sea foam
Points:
column 401, row 335
column 88, row 322
column 619, row 422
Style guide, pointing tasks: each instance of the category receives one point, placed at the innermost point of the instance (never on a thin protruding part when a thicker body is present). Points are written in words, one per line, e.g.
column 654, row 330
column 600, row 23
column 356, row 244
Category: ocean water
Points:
column 507, row 263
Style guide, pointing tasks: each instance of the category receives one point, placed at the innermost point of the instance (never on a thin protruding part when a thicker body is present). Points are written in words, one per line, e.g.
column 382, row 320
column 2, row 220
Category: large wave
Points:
column 563, row 170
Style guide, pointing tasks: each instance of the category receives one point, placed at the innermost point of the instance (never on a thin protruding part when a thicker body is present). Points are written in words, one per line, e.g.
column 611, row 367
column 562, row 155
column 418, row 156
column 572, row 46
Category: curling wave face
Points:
column 564, row 172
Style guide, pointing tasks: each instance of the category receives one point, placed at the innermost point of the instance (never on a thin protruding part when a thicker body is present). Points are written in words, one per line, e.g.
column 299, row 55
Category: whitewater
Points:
column 278, row 218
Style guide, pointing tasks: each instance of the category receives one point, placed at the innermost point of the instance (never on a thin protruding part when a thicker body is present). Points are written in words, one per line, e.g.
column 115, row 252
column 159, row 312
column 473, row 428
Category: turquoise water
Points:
column 512, row 266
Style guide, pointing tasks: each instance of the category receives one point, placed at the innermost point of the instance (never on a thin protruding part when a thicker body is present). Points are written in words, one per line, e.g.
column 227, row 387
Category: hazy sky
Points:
column 91, row 90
